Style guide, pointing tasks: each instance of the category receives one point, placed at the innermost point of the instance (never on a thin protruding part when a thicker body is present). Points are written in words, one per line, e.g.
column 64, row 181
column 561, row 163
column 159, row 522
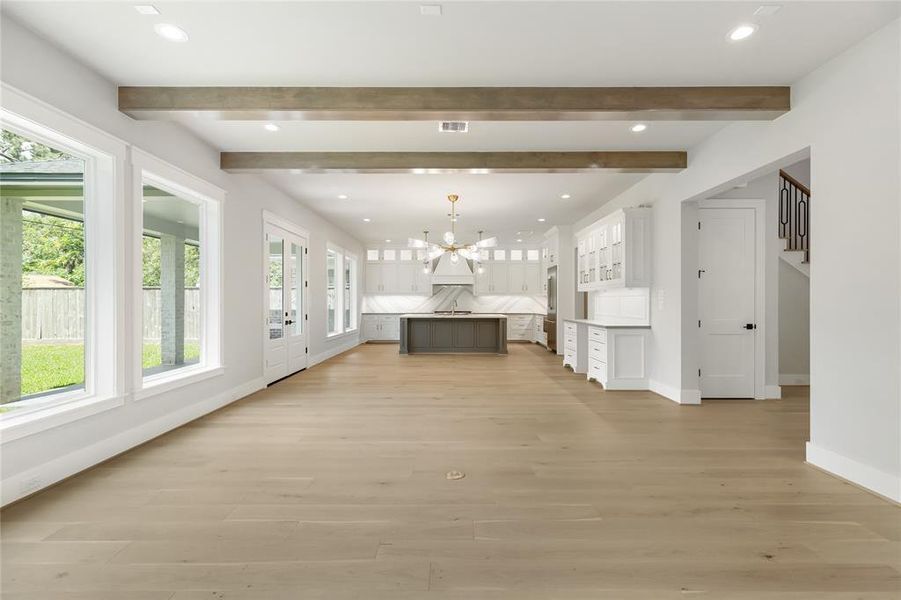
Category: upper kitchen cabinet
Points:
column 396, row 271
column 510, row 272
column 615, row 251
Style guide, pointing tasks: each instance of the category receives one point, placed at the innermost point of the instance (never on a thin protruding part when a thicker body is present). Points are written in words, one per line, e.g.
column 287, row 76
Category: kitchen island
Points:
column 458, row 333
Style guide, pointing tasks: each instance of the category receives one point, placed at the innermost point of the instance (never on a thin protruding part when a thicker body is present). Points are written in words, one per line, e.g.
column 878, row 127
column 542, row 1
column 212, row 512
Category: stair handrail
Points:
column 795, row 182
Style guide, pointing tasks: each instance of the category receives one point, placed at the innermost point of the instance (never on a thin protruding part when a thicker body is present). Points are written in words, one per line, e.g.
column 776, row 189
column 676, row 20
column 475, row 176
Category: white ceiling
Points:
column 401, row 206
column 472, row 43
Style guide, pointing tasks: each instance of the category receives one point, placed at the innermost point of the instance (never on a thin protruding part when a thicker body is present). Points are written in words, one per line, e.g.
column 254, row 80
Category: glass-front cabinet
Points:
column 615, row 251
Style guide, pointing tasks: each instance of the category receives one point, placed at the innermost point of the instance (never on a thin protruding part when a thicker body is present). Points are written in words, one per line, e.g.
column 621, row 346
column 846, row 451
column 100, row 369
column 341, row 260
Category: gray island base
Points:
column 453, row 334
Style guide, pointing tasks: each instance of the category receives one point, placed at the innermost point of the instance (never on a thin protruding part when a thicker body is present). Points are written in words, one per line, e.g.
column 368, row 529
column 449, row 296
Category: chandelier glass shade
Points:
column 469, row 251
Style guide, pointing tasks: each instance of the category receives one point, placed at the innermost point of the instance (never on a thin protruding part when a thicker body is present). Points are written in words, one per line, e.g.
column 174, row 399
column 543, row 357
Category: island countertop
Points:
column 454, row 316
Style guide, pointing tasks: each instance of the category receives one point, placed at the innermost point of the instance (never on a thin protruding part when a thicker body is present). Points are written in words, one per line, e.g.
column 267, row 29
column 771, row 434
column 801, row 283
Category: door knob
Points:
column 750, row 326
column 289, row 322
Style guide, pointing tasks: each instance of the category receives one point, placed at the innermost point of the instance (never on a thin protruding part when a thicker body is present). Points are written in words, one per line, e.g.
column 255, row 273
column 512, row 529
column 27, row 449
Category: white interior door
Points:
column 285, row 298
column 726, row 297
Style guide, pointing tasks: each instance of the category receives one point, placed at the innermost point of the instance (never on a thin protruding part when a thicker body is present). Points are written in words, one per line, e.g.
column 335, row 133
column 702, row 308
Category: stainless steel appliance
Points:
column 550, row 321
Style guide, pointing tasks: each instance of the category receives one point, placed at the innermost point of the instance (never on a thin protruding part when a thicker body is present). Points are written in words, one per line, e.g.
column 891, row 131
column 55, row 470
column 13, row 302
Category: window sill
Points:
column 166, row 382
column 14, row 427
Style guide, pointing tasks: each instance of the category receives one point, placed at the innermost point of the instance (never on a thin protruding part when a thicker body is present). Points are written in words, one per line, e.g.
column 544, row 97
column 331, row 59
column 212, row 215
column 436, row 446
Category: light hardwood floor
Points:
column 332, row 485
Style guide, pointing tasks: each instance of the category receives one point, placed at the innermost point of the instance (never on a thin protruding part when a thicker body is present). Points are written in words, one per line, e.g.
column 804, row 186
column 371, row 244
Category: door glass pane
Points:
column 296, row 309
column 171, row 251
column 276, row 310
column 42, row 271
column 331, row 290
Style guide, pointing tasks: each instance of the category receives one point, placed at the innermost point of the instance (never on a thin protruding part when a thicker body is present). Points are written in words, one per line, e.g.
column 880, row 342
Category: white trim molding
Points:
column 794, row 379
column 870, row 478
column 676, row 395
column 337, row 349
column 773, row 392
column 27, row 482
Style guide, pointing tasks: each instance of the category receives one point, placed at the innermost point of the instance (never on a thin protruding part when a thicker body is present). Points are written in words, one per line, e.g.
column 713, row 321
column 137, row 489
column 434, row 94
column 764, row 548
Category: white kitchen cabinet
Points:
column 615, row 357
column 615, row 251
column 377, row 327
column 538, row 333
column 516, row 277
column 520, row 327
column 533, row 284
column 397, row 277
column 381, row 277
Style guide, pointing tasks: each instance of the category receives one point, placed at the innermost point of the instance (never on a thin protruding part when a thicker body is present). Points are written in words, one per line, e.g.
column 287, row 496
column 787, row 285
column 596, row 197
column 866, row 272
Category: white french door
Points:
column 727, row 302
column 285, row 300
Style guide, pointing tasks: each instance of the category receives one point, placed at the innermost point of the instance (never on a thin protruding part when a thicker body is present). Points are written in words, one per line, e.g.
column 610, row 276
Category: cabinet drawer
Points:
column 597, row 370
column 569, row 357
column 597, row 334
column 597, row 352
column 569, row 344
column 569, row 328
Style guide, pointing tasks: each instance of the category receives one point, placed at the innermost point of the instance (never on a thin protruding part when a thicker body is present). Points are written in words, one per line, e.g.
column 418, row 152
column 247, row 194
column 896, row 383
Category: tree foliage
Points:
column 15, row 148
column 53, row 246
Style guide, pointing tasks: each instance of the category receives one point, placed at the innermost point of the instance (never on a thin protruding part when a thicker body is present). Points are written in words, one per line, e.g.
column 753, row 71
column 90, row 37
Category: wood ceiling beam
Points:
column 459, row 103
column 453, row 162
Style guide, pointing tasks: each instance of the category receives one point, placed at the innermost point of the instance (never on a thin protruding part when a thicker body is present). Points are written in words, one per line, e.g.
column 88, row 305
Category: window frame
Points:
column 342, row 255
column 103, row 186
column 209, row 199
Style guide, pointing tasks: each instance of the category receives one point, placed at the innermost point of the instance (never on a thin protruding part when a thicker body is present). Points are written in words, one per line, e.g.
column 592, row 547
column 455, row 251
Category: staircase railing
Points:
column 794, row 214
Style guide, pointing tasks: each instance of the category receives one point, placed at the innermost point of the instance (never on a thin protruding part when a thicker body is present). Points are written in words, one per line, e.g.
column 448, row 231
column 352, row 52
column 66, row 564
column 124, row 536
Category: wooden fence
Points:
column 57, row 314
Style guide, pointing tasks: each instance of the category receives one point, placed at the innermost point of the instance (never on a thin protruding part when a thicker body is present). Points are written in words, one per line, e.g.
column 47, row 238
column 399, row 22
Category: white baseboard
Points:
column 870, row 478
column 675, row 394
column 791, row 379
column 335, row 350
column 772, row 392
column 28, row 482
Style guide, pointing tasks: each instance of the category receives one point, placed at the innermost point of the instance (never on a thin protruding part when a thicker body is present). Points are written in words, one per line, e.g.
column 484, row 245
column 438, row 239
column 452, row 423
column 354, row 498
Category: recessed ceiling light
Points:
column 387, row 241
column 147, row 9
column 366, row 219
column 639, row 127
column 270, row 127
column 742, row 32
column 430, row 10
column 173, row 33
column 342, row 196
column 565, row 196
column 419, row 171
column 541, row 219
column 519, row 240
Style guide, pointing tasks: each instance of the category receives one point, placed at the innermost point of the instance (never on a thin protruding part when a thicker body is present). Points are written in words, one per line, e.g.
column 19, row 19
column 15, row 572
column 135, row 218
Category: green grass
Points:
column 50, row 366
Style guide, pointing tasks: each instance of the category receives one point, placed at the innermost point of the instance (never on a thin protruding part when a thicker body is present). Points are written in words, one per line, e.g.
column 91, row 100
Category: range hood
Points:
column 449, row 273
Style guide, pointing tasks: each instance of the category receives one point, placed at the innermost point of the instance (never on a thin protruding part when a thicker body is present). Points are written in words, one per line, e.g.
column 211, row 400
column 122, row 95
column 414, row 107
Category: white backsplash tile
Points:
column 444, row 298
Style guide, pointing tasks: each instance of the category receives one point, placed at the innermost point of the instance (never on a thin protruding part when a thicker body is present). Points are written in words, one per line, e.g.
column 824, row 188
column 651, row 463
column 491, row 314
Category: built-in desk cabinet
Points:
column 615, row 251
column 615, row 357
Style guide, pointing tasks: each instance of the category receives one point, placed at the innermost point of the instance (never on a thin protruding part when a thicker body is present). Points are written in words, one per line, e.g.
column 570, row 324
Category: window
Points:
column 388, row 254
column 372, row 254
column 341, row 290
column 331, row 268
column 59, row 245
column 43, row 271
column 350, row 272
column 500, row 255
column 406, row 255
column 516, row 255
column 532, row 255
column 179, row 290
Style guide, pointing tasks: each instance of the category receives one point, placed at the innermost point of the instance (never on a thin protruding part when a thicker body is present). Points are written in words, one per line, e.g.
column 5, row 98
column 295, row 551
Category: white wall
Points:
column 794, row 326
column 846, row 115
column 37, row 68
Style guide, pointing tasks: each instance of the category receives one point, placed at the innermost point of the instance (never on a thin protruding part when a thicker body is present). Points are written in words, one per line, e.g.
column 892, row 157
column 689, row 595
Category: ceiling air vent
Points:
column 453, row 126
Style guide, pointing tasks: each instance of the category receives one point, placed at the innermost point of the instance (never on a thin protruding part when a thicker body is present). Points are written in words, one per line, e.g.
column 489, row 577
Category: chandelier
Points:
column 468, row 251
